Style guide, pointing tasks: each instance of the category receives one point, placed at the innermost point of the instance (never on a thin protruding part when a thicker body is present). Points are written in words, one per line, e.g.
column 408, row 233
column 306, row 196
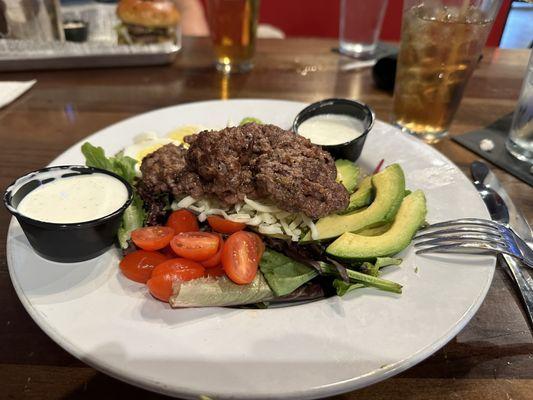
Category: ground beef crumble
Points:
column 257, row 161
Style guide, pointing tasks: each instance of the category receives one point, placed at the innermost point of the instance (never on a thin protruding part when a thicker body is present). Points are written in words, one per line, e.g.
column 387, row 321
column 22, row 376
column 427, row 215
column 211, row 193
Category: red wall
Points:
column 321, row 18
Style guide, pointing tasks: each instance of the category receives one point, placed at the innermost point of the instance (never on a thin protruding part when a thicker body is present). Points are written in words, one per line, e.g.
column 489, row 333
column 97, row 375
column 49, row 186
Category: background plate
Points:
column 306, row 351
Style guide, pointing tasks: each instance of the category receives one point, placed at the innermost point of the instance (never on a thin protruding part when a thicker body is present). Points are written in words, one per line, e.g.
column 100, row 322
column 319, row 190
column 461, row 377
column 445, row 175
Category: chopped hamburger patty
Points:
column 257, row 161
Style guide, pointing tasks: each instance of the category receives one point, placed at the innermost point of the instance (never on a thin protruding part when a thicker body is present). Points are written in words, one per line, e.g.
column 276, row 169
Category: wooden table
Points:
column 492, row 358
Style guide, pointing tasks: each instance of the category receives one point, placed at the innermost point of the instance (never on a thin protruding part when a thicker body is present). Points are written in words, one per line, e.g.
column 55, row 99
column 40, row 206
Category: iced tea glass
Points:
column 233, row 26
column 440, row 48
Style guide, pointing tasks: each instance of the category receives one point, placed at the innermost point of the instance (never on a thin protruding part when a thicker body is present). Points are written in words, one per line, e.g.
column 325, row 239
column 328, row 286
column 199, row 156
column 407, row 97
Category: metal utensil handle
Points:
column 524, row 283
column 479, row 171
column 527, row 252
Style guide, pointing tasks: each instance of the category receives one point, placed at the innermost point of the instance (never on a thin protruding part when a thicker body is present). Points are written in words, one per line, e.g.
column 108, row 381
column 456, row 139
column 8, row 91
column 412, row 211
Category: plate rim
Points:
column 331, row 389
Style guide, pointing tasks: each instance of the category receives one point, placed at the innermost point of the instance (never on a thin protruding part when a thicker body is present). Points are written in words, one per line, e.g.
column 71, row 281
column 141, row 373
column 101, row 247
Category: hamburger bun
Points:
column 149, row 13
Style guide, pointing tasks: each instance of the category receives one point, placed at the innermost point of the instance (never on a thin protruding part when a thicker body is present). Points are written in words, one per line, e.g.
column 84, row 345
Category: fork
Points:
column 473, row 236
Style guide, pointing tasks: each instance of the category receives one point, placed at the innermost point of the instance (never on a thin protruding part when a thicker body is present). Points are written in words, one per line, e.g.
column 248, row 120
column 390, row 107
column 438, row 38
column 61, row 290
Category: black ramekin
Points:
column 76, row 30
column 349, row 150
column 65, row 242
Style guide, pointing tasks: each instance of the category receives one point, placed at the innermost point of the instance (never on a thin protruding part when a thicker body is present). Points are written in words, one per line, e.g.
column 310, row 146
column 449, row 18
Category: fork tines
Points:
column 467, row 235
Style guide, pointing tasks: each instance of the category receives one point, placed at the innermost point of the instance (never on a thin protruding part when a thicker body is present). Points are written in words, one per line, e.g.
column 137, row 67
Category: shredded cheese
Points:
column 185, row 202
column 261, row 207
column 267, row 219
column 314, row 231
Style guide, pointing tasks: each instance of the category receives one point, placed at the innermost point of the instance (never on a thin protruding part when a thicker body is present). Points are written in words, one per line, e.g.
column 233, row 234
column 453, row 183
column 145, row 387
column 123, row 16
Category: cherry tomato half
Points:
column 152, row 237
column 138, row 266
column 165, row 274
column 219, row 224
column 259, row 243
column 214, row 261
column 183, row 221
column 197, row 246
column 240, row 257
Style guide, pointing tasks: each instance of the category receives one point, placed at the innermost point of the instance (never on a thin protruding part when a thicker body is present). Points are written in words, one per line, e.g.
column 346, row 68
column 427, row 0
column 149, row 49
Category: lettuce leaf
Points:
column 219, row 292
column 360, row 277
column 123, row 166
column 283, row 274
column 132, row 219
column 372, row 270
column 343, row 287
column 95, row 157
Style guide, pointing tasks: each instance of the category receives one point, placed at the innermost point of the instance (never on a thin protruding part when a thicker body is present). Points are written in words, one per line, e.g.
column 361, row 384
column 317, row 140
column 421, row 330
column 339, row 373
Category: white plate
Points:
column 308, row 351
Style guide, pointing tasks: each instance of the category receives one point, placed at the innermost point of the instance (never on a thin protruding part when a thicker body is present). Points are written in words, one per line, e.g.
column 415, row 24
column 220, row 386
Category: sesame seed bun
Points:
column 149, row 13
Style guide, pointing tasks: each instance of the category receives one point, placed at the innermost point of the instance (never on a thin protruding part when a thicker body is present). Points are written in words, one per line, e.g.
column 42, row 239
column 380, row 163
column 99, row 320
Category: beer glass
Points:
column 233, row 26
column 440, row 47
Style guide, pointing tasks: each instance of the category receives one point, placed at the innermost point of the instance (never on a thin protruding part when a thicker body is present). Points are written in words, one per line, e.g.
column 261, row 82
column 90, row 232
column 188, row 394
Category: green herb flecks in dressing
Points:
column 75, row 199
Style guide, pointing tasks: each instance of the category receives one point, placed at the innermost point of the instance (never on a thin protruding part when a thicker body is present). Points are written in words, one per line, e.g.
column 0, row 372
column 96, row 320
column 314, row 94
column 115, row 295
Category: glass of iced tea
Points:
column 440, row 47
column 233, row 26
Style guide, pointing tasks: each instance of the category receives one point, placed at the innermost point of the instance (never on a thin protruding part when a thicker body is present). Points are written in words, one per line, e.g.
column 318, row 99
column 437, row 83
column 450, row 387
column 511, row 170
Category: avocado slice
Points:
column 410, row 217
column 376, row 231
column 347, row 174
column 362, row 196
column 389, row 186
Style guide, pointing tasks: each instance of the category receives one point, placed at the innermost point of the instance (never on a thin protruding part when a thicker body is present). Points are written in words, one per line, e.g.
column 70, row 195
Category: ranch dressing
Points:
column 331, row 129
column 75, row 199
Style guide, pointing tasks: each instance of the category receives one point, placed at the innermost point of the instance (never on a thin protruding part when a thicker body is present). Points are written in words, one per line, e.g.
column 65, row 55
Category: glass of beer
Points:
column 440, row 48
column 233, row 26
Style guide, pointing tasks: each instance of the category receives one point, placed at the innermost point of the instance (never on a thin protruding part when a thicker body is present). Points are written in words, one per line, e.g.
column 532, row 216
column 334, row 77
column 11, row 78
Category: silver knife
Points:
column 517, row 221
column 499, row 212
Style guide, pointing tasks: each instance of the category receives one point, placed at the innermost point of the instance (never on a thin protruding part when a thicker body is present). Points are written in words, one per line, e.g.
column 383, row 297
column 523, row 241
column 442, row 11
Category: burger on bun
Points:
column 148, row 21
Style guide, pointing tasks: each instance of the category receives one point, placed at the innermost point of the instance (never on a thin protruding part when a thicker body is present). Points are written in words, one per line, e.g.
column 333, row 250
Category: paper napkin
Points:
column 10, row 91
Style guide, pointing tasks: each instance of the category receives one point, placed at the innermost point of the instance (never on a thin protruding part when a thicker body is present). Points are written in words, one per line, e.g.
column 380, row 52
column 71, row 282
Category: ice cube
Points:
column 411, row 101
column 475, row 16
column 430, row 51
column 409, row 56
column 457, row 76
column 430, row 76
column 429, row 94
column 412, row 87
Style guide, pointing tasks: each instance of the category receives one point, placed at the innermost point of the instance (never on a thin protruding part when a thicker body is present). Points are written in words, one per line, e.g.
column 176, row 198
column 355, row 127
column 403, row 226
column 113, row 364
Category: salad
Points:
column 256, row 215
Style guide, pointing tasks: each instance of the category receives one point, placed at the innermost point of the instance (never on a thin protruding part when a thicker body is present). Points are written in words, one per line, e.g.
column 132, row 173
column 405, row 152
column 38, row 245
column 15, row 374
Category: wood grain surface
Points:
column 492, row 358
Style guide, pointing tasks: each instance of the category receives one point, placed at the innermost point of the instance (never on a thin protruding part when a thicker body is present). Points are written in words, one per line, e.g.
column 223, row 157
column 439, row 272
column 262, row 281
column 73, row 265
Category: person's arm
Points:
column 193, row 21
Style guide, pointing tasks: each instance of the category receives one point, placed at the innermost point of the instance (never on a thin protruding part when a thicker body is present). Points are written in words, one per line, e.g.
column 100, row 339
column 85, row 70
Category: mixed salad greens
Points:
column 202, row 258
